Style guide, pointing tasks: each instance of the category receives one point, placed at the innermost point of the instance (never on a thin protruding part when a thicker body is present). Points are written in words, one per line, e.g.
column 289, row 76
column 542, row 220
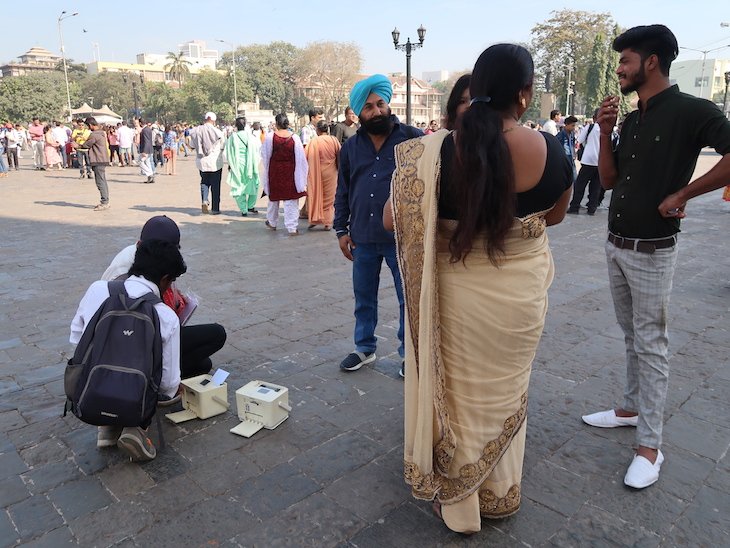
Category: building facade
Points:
column 35, row 60
column 425, row 100
column 700, row 78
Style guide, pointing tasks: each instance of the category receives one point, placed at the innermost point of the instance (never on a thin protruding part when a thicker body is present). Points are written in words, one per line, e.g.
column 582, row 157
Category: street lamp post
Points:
column 724, row 101
column 569, row 90
column 235, row 88
column 408, row 47
column 61, row 17
column 704, row 53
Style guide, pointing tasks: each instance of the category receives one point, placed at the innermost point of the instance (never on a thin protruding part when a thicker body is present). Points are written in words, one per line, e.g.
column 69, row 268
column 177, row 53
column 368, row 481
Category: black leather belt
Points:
column 642, row 246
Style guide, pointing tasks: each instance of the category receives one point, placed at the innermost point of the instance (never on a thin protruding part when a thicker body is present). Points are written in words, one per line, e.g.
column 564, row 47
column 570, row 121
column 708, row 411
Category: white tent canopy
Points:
column 103, row 115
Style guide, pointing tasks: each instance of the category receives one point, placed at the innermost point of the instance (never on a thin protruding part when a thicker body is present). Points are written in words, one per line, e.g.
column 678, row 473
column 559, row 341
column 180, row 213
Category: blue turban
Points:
column 377, row 83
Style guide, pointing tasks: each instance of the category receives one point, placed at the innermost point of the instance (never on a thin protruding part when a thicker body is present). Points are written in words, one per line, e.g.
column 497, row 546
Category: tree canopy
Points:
column 565, row 43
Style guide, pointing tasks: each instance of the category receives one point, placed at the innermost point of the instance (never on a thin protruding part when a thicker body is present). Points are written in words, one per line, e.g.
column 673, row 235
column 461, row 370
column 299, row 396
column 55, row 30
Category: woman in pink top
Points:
column 50, row 150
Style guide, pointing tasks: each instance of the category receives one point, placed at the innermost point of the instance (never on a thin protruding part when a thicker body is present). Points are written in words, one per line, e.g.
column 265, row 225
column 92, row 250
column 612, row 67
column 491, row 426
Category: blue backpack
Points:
column 115, row 373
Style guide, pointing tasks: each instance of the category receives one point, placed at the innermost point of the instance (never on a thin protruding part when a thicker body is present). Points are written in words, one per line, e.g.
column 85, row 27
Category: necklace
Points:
column 510, row 129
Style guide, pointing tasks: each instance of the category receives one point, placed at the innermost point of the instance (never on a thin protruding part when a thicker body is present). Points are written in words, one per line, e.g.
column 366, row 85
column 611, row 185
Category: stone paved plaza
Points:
column 331, row 475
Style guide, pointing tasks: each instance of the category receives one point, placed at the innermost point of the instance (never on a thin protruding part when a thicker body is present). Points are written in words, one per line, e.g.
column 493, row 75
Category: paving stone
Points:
column 579, row 365
column 77, row 498
column 211, row 522
column 407, row 525
column 705, row 523
column 52, row 450
column 11, row 420
column 34, row 516
column 532, row 525
column 274, row 490
column 369, row 492
column 558, row 488
column 683, row 473
column 651, row 509
column 597, row 528
column 110, row 525
column 125, row 479
column 342, row 454
column 215, row 438
column 11, row 464
column 681, row 431
column 307, row 523
column 8, row 533
column 238, row 468
column 58, row 537
column 48, row 476
column 170, row 498
column 12, row 490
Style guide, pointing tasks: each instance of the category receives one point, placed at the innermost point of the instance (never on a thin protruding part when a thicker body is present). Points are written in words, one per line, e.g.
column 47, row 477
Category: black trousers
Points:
column 587, row 176
column 197, row 344
column 211, row 180
column 13, row 158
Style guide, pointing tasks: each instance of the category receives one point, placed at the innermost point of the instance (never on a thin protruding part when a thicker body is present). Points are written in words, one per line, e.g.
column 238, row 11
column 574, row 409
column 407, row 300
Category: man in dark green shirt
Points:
column 649, row 174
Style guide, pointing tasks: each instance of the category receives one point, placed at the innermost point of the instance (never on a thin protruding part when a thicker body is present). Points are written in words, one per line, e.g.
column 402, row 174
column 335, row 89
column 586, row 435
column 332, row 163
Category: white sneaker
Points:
column 642, row 473
column 609, row 419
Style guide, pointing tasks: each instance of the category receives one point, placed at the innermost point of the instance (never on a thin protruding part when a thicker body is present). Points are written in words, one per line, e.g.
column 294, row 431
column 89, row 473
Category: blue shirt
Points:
column 363, row 184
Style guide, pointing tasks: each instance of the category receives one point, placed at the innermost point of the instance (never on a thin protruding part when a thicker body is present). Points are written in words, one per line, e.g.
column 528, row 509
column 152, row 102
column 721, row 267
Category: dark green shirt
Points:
column 656, row 156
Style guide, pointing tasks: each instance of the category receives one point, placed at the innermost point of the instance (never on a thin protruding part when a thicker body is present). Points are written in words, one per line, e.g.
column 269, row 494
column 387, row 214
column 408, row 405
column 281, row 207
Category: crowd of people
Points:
column 460, row 216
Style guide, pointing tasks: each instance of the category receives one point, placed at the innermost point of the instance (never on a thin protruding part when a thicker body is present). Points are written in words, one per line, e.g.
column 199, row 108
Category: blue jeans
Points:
column 82, row 156
column 368, row 259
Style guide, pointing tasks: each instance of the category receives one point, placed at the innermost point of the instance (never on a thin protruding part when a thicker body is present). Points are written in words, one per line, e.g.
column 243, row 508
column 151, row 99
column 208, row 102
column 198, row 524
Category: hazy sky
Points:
column 457, row 31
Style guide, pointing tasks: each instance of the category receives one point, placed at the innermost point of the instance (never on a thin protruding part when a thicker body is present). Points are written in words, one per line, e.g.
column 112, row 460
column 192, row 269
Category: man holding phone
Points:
column 649, row 174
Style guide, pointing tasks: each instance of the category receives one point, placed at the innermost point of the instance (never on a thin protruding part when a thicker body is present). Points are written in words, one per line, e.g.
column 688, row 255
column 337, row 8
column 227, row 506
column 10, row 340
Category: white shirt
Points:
column 121, row 263
column 137, row 286
column 550, row 127
column 213, row 161
column 592, row 146
column 60, row 135
column 125, row 136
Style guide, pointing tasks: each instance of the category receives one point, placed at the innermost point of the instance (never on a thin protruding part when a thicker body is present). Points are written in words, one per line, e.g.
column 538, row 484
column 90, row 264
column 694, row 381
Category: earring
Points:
column 523, row 103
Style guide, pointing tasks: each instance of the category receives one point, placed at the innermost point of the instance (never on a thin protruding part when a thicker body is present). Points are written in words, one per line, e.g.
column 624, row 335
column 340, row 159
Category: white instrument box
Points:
column 261, row 405
column 201, row 399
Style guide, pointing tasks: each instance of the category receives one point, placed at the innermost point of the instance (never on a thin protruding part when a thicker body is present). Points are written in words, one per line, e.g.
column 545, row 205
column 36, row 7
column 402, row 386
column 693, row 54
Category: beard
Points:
column 635, row 81
column 378, row 125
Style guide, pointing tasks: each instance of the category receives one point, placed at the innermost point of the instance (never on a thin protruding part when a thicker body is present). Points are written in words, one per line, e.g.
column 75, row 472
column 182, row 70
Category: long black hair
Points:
column 482, row 174
column 461, row 85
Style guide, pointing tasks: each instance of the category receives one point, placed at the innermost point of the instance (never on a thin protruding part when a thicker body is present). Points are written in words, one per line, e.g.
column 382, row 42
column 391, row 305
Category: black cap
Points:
column 162, row 228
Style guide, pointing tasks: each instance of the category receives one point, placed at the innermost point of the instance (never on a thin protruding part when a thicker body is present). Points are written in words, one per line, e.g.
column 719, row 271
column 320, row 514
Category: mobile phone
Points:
column 204, row 382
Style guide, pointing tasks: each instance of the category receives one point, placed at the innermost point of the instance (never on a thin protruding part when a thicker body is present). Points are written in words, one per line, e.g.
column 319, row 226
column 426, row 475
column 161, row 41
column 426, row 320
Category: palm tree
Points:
column 177, row 67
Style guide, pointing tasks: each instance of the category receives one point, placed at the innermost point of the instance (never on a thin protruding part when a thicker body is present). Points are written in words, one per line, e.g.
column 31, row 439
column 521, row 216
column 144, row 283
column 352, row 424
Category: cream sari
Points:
column 471, row 335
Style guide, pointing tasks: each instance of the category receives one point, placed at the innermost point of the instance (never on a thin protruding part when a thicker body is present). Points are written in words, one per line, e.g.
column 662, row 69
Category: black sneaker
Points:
column 355, row 360
column 402, row 371
column 573, row 210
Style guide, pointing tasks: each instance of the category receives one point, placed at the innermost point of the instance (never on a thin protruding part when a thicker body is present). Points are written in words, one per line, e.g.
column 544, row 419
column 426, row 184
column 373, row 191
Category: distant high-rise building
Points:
column 435, row 76
column 196, row 49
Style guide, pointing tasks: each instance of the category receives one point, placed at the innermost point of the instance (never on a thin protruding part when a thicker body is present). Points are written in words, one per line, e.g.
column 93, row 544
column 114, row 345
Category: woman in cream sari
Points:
column 470, row 210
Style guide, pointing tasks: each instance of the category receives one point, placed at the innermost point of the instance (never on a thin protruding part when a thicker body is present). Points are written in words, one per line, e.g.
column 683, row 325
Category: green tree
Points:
column 564, row 43
column 178, row 68
column 108, row 88
column 42, row 95
column 327, row 71
column 596, row 75
column 270, row 71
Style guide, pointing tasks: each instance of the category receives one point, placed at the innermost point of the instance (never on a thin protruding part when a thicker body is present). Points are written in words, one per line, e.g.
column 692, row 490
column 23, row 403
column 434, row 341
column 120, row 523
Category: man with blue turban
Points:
column 366, row 164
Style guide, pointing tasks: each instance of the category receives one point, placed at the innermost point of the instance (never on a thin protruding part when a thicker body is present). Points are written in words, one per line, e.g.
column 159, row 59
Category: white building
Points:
column 698, row 78
column 196, row 49
column 433, row 76
column 425, row 100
